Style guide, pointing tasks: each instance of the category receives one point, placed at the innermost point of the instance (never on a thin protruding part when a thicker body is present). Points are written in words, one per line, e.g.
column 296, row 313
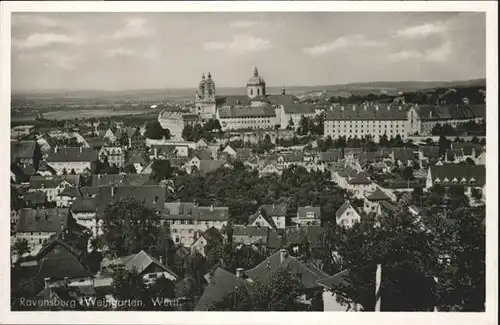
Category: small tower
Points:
column 256, row 86
column 283, row 90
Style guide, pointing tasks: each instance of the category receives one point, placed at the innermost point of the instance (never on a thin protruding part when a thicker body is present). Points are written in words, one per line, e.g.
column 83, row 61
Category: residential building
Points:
column 428, row 116
column 52, row 186
column 37, row 225
column 270, row 215
column 308, row 216
column 346, row 215
column 373, row 200
column 25, row 153
column 185, row 219
column 147, row 266
column 115, row 155
column 21, row 131
column 71, row 160
column 202, row 238
column 84, row 212
column 466, row 176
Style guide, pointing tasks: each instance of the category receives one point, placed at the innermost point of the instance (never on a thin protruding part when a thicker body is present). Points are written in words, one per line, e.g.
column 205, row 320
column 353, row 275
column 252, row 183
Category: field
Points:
column 93, row 113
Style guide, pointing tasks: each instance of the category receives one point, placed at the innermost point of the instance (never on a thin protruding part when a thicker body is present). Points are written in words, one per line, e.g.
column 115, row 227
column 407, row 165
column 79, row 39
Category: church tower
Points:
column 205, row 97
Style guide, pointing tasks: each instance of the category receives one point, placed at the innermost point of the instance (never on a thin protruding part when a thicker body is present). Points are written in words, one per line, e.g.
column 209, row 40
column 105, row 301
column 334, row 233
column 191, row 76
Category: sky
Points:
column 118, row 51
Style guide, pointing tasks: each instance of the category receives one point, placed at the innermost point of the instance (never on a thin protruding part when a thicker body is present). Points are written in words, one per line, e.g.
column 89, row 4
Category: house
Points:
column 201, row 144
column 119, row 180
column 308, row 216
column 289, row 159
column 403, row 156
column 147, row 266
column 307, row 273
column 454, row 156
column 466, row 176
column 84, row 212
column 113, row 135
column 229, row 151
column 346, row 215
column 46, row 143
column 25, row 153
column 294, row 112
column 67, row 196
column 37, row 225
column 300, row 240
column 330, row 156
column 330, row 285
column 35, row 199
column 151, row 196
column 221, row 285
column 269, row 168
column 137, row 159
column 52, row 186
column 115, row 155
column 205, row 166
column 255, row 236
column 269, row 215
column 481, row 159
column 359, row 184
column 186, row 219
column 373, row 200
column 62, row 260
column 71, row 160
column 212, row 234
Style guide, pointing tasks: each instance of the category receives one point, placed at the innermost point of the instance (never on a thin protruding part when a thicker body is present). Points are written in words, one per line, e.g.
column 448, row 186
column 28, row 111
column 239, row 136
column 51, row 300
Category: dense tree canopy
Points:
column 155, row 131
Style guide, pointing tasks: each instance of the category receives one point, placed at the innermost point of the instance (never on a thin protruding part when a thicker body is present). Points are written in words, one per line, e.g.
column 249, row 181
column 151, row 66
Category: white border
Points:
column 489, row 317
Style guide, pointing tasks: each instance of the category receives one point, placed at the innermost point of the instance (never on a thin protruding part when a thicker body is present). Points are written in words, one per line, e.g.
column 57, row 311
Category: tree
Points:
column 129, row 286
column 290, row 125
column 161, row 170
column 384, row 141
column 155, row 131
column 163, row 289
column 187, row 132
column 196, row 269
column 112, row 170
column 280, row 292
column 402, row 248
column 444, row 144
column 407, row 173
column 304, row 126
column 129, row 169
column 20, row 247
column 129, row 227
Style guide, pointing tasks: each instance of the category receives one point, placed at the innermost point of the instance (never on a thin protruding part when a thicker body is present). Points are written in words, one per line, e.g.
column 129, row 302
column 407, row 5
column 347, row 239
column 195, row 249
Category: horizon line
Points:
column 272, row 86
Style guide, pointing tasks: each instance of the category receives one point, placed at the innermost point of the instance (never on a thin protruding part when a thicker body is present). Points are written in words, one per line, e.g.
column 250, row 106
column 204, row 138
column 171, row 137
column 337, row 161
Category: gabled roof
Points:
column 222, row 285
column 201, row 154
column 303, row 211
column 83, row 205
column 312, row 235
column 452, row 154
column 368, row 112
column 190, row 211
column 446, row 112
column 274, row 210
column 119, row 179
column 37, row 197
column 331, row 155
column 343, row 208
column 22, row 149
column 335, row 280
column 136, row 157
column 264, row 110
column 38, row 182
column 209, row 166
column 430, row 151
column 42, row 220
column 71, row 191
column 403, row 154
column 468, row 148
column 299, row 108
column 308, row 273
column 141, row 261
column 360, row 178
column 282, row 99
column 152, row 196
column 250, row 235
column 378, row 195
column 72, row 154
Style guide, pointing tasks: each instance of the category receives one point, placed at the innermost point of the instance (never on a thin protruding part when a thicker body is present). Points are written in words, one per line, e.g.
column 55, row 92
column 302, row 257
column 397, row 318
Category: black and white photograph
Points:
column 249, row 160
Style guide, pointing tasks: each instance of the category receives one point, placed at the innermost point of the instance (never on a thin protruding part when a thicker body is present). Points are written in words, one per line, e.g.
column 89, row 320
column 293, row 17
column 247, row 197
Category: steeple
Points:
column 203, row 76
column 255, row 72
column 209, row 75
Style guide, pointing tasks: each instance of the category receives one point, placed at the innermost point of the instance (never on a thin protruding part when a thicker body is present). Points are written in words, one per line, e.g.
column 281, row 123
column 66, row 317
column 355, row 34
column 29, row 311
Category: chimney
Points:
column 388, row 107
column 430, row 114
column 378, row 281
column 66, row 280
column 342, row 108
column 130, row 142
column 365, row 107
column 211, row 208
column 283, row 255
column 161, row 259
column 62, row 225
column 112, row 191
column 46, row 280
column 239, row 272
column 98, row 176
column 81, row 149
column 354, row 108
column 376, row 107
column 56, row 148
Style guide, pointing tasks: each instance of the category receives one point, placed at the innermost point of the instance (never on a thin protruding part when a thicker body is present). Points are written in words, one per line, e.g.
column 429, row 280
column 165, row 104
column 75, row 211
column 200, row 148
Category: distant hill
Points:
column 58, row 97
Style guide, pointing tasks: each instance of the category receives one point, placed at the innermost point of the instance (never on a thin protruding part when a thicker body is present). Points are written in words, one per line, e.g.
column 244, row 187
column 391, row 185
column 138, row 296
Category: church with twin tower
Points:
column 206, row 103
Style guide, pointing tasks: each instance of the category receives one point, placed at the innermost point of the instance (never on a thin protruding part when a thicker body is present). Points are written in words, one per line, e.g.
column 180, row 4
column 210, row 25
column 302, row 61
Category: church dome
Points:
column 256, row 80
